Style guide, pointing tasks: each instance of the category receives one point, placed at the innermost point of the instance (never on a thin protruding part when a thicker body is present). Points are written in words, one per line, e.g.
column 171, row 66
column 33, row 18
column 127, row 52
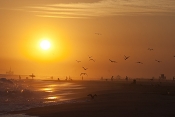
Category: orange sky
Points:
column 127, row 27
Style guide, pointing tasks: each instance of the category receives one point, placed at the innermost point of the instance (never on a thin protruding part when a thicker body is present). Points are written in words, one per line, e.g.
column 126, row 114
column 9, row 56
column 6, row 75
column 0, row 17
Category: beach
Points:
column 114, row 98
column 87, row 58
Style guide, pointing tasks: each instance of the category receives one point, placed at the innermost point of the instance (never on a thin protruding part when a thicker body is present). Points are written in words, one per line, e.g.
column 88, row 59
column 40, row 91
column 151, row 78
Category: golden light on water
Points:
column 47, row 89
column 52, row 98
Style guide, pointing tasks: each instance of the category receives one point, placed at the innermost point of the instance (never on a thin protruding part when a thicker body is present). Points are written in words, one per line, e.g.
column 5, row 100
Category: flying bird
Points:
column 158, row 61
column 90, row 57
column 126, row 57
column 78, row 61
column 84, row 68
column 150, row 49
column 91, row 60
column 112, row 61
column 139, row 62
column 92, row 96
column 83, row 74
column 97, row 33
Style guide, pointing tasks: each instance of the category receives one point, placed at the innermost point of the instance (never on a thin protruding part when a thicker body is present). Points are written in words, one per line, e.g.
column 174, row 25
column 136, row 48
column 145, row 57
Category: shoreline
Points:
column 115, row 99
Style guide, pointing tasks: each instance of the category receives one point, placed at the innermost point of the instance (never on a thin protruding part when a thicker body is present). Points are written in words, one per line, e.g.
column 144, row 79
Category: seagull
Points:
column 150, row 49
column 112, row 61
column 139, row 62
column 97, row 33
column 83, row 74
column 126, row 57
column 91, row 60
column 158, row 61
column 92, row 96
column 90, row 57
column 78, row 61
column 84, row 68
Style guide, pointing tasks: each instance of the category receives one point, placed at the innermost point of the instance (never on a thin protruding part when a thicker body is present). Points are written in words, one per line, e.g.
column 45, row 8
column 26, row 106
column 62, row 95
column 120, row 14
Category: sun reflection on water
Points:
column 52, row 98
column 56, row 92
column 47, row 90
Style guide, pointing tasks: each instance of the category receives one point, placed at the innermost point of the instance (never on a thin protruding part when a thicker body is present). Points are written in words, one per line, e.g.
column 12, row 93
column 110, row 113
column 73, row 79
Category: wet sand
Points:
column 119, row 98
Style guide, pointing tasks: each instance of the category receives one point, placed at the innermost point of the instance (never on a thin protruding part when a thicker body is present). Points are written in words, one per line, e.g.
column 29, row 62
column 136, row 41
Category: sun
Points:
column 45, row 44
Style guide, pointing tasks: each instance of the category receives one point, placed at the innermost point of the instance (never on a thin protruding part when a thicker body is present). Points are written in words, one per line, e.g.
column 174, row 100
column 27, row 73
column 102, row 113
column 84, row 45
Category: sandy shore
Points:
column 116, row 99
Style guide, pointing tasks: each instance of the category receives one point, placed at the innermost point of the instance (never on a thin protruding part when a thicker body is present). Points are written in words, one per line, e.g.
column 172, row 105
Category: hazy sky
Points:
column 127, row 27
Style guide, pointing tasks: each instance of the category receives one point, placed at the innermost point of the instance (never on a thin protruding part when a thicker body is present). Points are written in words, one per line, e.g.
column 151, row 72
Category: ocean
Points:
column 18, row 95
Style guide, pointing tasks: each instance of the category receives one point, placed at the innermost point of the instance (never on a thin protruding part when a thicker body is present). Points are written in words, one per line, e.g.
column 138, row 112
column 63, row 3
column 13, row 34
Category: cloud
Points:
column 103, row 8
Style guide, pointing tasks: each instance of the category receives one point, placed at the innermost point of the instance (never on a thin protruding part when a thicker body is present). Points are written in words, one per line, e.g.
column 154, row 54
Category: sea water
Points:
column 18, row 95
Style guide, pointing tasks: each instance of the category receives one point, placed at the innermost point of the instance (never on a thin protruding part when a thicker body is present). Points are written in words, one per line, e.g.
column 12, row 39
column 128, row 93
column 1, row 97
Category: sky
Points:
column 103, row 29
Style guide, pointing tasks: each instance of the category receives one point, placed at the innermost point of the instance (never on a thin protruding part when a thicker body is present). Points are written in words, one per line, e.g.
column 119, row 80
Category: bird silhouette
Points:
column 139, row 62
column 112, row 61
column 158, row 61
column 92, row 96
column 91, row 60
column 126, row 57
column 84, row 68
column 90, row 57
column 83, row 74
column 150, row 49
column 78, row 61
column 98, row 33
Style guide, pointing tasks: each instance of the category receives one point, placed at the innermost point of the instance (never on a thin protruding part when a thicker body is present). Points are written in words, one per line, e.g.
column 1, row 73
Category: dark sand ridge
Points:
column 116, row 98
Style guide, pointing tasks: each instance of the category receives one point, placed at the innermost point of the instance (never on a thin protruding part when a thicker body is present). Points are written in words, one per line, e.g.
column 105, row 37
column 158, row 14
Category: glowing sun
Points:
column 45, row 44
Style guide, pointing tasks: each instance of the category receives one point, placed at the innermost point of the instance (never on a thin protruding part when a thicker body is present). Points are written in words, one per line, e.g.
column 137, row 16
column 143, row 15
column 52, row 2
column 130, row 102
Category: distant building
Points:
column 162, row 77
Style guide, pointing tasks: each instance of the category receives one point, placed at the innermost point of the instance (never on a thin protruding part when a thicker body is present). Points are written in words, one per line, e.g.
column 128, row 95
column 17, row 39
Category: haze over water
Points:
column 76, row 30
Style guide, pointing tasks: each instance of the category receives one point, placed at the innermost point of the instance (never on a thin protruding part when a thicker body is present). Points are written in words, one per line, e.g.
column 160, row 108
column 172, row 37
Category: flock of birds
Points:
column 83, row 74
column 112, row 61
column 91, row 59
